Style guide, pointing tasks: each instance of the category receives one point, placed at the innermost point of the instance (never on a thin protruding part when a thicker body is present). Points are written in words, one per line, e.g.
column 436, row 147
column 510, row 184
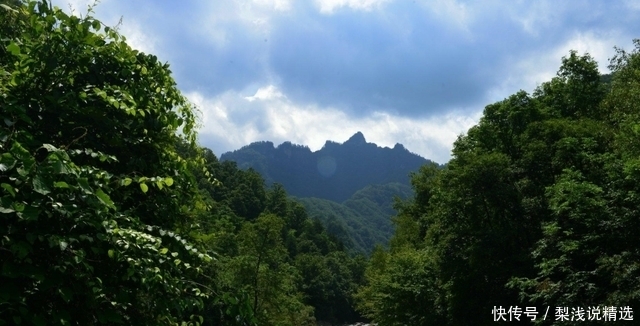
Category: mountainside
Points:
column 335, row 172
column 363, row 220
column 349, row 187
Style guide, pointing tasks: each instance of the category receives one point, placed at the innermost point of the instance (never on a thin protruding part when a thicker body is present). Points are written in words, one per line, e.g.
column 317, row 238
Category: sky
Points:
column 417, row 73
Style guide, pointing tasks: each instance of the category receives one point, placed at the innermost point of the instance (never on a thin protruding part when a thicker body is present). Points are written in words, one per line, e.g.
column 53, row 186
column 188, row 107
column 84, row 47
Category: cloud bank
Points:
column 412, row 72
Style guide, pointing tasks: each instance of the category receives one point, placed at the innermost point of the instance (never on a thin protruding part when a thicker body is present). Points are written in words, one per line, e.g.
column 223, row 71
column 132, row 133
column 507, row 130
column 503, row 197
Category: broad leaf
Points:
column 7, row 162
column 62, row 167
column 104, row 198
column 13, row 48
column 8, row 188
column 60, row 184
column 29, row 213
column 40, row 185
column 84, row 184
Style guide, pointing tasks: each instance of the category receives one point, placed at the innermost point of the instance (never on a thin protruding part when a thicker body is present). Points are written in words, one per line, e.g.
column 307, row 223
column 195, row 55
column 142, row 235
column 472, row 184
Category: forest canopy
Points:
column 537, row 208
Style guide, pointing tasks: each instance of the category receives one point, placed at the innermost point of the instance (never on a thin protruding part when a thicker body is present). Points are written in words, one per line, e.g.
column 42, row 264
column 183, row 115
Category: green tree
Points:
column 576, row 91
column 92, row 186
column 624, row 104
column 262, row 268
column 516, row 216
column 588, row 252
column 569, row 250
column 403, row 289
column 329, row 283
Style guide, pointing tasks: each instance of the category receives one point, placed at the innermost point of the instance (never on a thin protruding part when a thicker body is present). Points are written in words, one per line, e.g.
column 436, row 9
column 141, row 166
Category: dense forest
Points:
column 537, row 208
column 364, row 220
column 112, row 214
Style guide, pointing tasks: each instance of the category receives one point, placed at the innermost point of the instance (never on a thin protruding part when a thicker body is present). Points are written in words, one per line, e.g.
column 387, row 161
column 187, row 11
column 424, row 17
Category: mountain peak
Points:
column 334, row 172
column 399, row 146
column 357, row 138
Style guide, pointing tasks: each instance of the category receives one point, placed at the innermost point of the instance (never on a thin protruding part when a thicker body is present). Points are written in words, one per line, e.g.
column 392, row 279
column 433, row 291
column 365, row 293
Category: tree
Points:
column 261, row 267
column 85, row 119
column 576, row 92
column 403, row 289
column 624, row 104
column 587, row 238
column 525, row 211
column 588, row 252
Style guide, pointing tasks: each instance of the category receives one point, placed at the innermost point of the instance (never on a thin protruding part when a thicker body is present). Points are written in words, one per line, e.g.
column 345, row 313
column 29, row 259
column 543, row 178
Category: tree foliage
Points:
column 538, row 207
column 277, row 265
column 93, row 190
column 112, row 214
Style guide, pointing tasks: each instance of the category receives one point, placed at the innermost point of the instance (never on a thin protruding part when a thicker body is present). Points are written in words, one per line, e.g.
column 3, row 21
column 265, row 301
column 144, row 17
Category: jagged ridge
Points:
column 334, row 172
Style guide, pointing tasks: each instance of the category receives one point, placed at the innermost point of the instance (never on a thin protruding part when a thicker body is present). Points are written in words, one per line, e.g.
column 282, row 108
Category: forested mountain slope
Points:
column 350, row 187
column 362, row 221
column 270, row 252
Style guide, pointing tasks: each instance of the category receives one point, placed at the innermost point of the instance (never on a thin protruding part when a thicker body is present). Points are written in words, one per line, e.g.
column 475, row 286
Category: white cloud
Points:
column 329, row 6
column 219, row 22
column 541, row 66
column 279, row 5
column 265, row 93
column 137, row 38
column 599, row 46
column 535, row 16
column 235, row 120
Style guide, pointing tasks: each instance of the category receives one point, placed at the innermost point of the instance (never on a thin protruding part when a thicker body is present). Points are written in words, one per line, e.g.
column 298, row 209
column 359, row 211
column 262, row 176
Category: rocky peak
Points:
column 356, row 139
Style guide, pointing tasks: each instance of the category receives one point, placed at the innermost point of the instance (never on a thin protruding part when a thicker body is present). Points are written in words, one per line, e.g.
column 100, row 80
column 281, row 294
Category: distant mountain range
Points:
column 360, row 179
column 335, row 172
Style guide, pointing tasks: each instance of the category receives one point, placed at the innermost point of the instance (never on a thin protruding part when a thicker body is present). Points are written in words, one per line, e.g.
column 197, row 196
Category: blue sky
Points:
column 412, row 72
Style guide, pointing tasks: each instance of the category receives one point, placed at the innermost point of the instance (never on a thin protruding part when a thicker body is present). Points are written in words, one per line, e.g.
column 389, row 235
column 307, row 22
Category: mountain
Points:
column 363, row 220
column 334, row 172
column 350, row 187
